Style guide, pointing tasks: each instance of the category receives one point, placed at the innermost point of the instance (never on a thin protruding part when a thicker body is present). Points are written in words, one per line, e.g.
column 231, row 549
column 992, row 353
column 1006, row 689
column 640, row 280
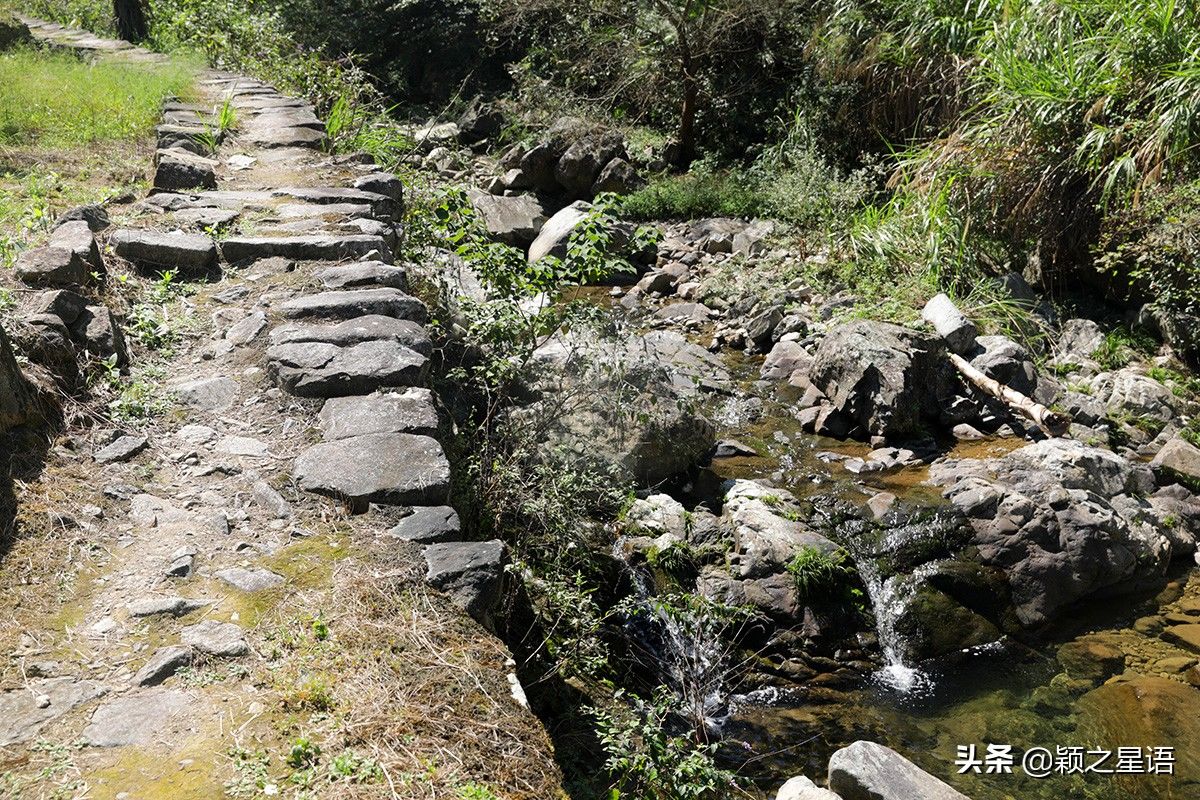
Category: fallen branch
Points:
column 1053, row 423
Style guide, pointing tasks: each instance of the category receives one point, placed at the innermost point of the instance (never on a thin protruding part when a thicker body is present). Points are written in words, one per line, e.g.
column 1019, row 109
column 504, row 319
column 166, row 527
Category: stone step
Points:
column 363, row 274
column 428, row 525
column 383, row 207
column 190, row 253
column 387, row 468
column 357, row 303
column 316, row 247
column 368, row 328
column 317, row 369
column 410, row 411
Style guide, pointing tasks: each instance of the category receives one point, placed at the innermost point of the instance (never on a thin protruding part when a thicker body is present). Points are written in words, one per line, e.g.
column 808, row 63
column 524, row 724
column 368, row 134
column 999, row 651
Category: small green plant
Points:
column 1121, row 346
column 819, row 575
column 320, row 629
column 226, row 117
column 476, row 791
column 303, row 754
column 251, row 770
column 350, row 767
column 648, row 759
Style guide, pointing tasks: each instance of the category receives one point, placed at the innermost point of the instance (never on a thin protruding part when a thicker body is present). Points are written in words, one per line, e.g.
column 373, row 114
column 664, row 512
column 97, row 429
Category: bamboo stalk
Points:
column 1053, row 423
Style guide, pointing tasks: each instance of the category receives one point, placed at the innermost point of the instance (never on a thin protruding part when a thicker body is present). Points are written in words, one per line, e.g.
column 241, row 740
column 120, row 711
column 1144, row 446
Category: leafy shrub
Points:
column 820, row 576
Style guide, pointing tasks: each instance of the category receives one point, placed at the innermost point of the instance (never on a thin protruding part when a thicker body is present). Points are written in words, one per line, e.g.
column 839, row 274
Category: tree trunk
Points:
column 131, row 20
column 687, row 122
column 1052, row 422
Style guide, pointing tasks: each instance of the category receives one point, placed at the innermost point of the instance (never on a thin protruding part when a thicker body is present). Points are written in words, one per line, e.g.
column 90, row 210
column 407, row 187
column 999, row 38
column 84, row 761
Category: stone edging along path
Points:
column 311, row 328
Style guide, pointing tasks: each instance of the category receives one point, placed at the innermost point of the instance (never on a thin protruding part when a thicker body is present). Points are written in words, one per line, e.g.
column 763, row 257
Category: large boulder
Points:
column 620, row 405
column 870, row 771
column 582, row 163
column 887, row 380
column 1130, row 395
column 515, row 221
column 556, row 232
column 1063, row 521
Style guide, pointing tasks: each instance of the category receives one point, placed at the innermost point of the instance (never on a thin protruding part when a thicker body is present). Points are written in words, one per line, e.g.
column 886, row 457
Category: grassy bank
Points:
column 71, row 133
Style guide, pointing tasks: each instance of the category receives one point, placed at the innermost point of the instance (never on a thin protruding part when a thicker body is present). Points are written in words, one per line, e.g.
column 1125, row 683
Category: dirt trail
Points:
column 170, row 667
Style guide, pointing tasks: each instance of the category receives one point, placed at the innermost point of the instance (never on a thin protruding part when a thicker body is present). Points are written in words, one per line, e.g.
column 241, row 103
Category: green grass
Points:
column 72, row 133
column 57, row 100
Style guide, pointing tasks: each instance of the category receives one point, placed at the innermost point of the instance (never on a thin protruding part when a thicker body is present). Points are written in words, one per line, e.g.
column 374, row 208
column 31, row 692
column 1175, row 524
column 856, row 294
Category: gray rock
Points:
column 316, row 369
column 1002, row 359
column 870, row 771
column 98, row 332
column 22, row 717
column 1061, row 521
column 249, row 580
column 207, row 394
column 51, row 267
column 18, row 402
column 123, row 449
column 165, row 662
column 363, row 274
column 369, row 328
column 1128, row 393
column 428, row 525
column 77, row 237
column 180, row 169
column 579, row 167
column 751, row 240
column 271, row 501
column 190, row 253
column 950, row 323
column 247, row 329
column 358, row 303
column 95, row 216
column 317, row 247
column 552, row 238
column 384, row 183
column 410, row 411
column 222, row 639
column 1178, row 459
column 201, row 219
column 618, row 176
column 134, row 718
column 470, row 572
column 382, row 207
column 764, row 540
column 173, row 606
column 801, row 788
column 761, row 327
column 785, row 359
column 515, row 221
column 389, row 468
column 885, row 379
column 629, row 406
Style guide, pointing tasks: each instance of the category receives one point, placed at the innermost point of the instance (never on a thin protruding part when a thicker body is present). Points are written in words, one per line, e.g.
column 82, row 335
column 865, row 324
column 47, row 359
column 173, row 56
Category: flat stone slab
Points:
column 317, row 247
column 173, row 606
column 223, row 639
column 24, row 711
column 207, row 394
column 165, row 662
column 1187, row 636
column 357, row 303
column 388, row 468
column 134, row 718
column 369, row 328
column 123, row 449
column 247, row 328
column 51, row 267
column 869, row 771
column 410, row 411
column 202, row 218
column 294, row 211
column 363, row 274
column 189, row 253
column 249, row 580
column 242, row 446
column 317, row 369
column 382, row 206
column 287, row 136
column 428, row 525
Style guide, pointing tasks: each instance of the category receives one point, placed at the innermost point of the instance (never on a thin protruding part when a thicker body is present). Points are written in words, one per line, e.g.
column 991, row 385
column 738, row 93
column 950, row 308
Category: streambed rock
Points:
column 1063, row 521
column 885, row 379
column 392, row 468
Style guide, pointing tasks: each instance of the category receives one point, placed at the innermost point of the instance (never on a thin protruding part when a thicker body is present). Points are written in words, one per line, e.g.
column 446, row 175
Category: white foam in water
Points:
column 905, row 680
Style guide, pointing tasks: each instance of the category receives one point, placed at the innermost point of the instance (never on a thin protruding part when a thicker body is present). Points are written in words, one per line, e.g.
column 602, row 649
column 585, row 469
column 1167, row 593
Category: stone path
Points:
column 306, row 383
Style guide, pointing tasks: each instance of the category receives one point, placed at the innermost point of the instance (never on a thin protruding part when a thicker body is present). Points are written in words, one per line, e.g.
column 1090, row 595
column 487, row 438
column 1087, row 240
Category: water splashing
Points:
column 889, row 598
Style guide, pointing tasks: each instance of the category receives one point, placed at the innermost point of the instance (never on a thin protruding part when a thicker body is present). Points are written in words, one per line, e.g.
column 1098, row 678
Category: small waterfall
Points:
column 888, row 599
column 684, row 647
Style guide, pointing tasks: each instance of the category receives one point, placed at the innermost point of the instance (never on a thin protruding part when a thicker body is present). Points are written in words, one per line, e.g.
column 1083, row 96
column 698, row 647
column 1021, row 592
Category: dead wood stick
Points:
column 1053, row 423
